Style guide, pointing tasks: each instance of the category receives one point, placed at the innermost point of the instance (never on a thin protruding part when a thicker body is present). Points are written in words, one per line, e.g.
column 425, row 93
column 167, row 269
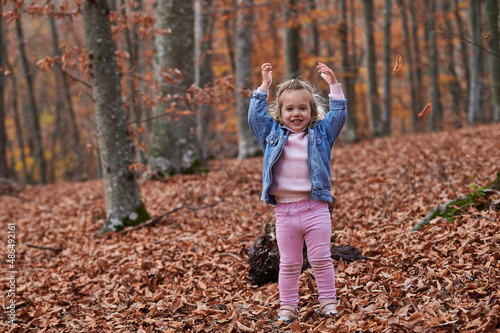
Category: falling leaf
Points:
column 399, row 63
column 376, row 180
column 486, row 36
column 426, row 111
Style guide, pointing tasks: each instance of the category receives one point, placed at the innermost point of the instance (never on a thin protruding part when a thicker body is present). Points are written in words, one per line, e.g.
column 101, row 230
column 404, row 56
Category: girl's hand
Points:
column 326, row 73
column 267, row 75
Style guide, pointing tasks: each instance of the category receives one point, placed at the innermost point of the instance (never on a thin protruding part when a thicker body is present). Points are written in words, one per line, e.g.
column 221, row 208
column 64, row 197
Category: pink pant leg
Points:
column 307, row 220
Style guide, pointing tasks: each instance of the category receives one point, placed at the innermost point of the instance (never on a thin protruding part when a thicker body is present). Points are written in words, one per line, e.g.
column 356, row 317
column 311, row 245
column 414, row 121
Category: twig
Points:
column 462, row 37
column 56, row 249
column 156, row 219
column 74, row 78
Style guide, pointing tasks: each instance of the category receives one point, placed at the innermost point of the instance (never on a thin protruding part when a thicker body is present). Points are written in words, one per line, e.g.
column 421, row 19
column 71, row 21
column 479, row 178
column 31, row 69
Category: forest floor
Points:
column 189, row 271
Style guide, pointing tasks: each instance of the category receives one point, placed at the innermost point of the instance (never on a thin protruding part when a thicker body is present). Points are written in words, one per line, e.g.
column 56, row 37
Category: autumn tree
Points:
column 124, row 205
column 173, row 140
column 247, row 145
column 36, row 140
column 475, row 62
column 386, row 114
column 435, row 121
column 373, row 97
column 292, row 38
column 492, row 16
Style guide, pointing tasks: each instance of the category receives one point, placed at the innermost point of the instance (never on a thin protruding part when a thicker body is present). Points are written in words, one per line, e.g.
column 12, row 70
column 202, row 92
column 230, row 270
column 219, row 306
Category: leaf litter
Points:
column 188, row 272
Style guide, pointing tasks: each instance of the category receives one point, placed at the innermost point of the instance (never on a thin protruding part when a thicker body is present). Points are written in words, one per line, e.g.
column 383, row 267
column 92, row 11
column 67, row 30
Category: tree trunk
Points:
column 349, row 71
column 373, row 97
column 17, row 122
column 203, row 76
column 3, row 135
column 247, row 145
column 435, row 121
column 173, row 144
column 475, row 89
column 314, row 30
column 417, row 63
column 415, row 107
column 493, row 59
column 124, row 206
column 229, row 24
column 386, row 115
column 292, row 39
column 38, row 147
column 454, row 85
column 464, row 56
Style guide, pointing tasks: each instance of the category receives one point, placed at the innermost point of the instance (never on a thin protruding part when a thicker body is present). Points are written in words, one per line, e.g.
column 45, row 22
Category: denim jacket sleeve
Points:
column 334, row 120
column 259, row 120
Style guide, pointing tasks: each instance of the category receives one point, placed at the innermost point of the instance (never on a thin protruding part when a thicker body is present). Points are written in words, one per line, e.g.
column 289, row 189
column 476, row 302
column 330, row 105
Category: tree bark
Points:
column 386, row 114
column 124, row 206
column 415, row 107
column 454, row 84
column 474, row 88
column 292, row 39
column 373, row 97
column 417, row 63
column 173, row 147
column 37, row 144
column 492, row 16
column 247, row 145
column 203, row 76
column 435, row 121
column 350, row 72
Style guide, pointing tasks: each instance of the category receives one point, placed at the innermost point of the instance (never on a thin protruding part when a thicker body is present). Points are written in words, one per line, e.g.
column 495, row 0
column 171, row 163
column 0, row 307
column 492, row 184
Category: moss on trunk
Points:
column 450, row 210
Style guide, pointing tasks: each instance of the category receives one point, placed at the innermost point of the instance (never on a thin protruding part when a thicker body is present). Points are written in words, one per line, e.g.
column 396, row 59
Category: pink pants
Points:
column 306, row 220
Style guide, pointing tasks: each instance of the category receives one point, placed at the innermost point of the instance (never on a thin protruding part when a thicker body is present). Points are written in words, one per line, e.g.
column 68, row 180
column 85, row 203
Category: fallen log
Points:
column 480, row 199
column 264, row 256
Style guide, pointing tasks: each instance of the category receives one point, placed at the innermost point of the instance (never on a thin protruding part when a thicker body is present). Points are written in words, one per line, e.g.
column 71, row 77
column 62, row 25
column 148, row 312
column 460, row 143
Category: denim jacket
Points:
column 321, row 137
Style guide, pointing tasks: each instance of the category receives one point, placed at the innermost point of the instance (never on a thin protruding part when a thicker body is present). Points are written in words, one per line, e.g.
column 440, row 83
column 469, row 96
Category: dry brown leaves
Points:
column 188, row 273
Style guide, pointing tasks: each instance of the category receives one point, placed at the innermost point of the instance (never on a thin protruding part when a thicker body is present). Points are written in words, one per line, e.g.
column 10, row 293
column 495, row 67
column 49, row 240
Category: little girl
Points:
column 297, row 138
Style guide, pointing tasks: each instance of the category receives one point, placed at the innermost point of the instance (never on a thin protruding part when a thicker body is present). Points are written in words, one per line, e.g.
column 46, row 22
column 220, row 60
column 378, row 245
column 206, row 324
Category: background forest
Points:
column 448, row 51
column 114, row 113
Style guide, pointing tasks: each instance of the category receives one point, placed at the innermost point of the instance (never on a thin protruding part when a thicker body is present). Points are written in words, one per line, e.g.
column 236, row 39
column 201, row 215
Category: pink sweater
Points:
column 291, row 179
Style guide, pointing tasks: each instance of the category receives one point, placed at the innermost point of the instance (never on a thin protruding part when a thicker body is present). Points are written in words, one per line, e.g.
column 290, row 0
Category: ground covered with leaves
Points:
column 189, row 271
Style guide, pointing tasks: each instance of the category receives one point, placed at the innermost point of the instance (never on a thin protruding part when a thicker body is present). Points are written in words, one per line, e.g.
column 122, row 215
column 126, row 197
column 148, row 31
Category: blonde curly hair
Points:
column 318, row 103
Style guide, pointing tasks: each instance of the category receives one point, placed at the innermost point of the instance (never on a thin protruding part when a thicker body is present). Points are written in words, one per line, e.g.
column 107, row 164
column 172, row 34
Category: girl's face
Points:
column 296, row 109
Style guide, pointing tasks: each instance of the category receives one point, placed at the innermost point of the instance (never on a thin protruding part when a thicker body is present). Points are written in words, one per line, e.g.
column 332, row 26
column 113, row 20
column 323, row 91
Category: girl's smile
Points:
column 296, row 109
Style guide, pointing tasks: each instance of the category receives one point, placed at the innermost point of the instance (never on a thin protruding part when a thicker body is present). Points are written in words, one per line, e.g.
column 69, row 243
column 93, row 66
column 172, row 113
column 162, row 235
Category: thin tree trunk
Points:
column 454, row 85
column 229, row 27
column 292, row 39
column 17, row 122
column 464, row 55
column 435, row 121
column 373, row 97
column 474, row 88
column 4, row 173
column 38, row 153
column 349, row 71
column 386, row 114
column 56, row 135
column 247, row 145
column 315, row 31
column 417, row 63
column 493, row 60
column 409, row 65
column 124, row 205
column 203, row 76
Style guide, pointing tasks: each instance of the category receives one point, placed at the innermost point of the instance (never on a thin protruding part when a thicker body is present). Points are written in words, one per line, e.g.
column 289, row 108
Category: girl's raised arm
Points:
column 327, row 74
